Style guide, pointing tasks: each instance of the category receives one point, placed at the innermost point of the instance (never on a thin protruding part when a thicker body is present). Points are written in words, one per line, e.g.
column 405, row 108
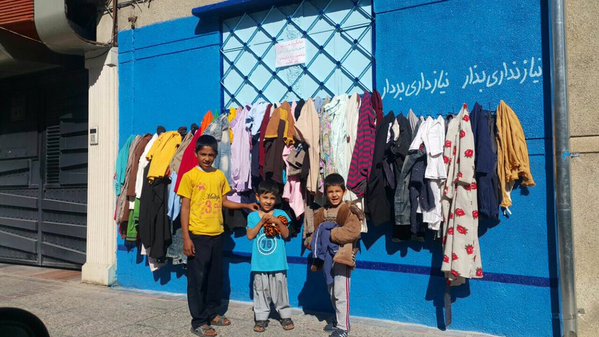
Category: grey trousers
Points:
column 339, row 292
column 271, row 288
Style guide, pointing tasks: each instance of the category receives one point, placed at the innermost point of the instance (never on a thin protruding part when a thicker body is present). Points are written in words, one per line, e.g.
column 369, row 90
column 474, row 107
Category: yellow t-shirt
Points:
column 162, row 153
column 206, row 191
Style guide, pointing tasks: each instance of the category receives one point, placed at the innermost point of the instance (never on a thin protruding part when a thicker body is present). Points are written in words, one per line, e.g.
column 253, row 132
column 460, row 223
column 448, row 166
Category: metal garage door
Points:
column 43, row 169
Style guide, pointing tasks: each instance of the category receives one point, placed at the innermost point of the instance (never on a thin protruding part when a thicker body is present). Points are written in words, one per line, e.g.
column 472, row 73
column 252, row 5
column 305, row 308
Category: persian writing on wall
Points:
column 440, row 82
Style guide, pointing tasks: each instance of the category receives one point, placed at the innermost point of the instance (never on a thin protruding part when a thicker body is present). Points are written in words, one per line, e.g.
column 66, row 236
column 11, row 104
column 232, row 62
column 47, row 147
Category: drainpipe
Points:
column 561, row 136
column 115, row 23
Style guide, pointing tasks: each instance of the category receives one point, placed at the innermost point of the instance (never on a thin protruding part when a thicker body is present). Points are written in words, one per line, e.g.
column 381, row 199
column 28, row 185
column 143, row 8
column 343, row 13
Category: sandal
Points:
column 260, row 326
column 220, row 321
column 204, row 331
column 287, row 324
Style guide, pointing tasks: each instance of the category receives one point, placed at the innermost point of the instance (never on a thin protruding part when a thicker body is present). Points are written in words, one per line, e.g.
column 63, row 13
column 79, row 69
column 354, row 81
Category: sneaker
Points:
column 330, row 327
column 339, row 333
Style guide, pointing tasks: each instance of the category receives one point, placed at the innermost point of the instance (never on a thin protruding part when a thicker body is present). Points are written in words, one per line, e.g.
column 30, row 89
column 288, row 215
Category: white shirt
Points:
column 143, row 162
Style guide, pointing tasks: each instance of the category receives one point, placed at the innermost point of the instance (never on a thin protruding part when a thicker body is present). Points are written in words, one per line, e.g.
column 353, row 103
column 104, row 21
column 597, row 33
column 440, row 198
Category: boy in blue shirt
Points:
column 268, row 229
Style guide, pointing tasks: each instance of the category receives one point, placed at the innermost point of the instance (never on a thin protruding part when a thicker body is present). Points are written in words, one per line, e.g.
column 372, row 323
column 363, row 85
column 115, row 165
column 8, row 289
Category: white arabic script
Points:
column 530, row 69
column 437, row 83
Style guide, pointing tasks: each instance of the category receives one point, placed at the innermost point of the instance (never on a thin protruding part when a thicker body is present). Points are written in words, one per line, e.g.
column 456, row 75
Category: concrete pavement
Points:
column 70, row 308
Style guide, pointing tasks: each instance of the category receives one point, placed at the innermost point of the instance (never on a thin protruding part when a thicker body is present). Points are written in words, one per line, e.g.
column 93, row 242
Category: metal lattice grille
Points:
column 339, row 58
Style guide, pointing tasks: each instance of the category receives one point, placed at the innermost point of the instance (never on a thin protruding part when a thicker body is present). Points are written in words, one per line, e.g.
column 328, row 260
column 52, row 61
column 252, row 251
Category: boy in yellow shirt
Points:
column 203, row 192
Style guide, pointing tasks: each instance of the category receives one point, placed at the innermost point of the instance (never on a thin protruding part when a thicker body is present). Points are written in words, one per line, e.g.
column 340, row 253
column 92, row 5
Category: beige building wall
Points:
column 157, row 11
column 583, row 76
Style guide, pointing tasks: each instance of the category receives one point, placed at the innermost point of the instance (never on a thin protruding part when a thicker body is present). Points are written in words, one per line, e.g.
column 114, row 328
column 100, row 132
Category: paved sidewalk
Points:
column 70, row 308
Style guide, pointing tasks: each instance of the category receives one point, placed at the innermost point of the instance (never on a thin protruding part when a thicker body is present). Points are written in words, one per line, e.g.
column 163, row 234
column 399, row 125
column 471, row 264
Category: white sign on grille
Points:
column 289, row 53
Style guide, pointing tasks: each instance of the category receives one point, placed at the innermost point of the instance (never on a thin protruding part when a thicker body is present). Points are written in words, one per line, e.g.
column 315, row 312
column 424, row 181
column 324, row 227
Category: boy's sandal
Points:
column 260, row 326
column 220, row 321
column 204, row 331
column 287, row 324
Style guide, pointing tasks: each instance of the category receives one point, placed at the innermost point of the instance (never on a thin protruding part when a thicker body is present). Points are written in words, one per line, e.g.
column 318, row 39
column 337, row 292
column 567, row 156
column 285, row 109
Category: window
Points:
column 338, row 38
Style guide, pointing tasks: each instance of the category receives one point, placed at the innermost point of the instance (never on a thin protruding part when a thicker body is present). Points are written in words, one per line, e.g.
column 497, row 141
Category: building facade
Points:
column 176, row 60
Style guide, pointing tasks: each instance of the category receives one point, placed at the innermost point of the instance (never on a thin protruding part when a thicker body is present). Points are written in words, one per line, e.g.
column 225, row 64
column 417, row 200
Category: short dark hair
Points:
column 334, row 179
column 268, row 186
column 207, row 140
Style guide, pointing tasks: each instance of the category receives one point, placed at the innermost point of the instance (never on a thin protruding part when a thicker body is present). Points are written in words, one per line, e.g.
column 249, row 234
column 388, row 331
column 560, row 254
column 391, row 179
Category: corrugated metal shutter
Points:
column 12, row 11
column 18, row 16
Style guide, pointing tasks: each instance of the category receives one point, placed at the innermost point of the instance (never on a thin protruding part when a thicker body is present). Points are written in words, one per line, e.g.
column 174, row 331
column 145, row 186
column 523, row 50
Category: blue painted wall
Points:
column 170, row 73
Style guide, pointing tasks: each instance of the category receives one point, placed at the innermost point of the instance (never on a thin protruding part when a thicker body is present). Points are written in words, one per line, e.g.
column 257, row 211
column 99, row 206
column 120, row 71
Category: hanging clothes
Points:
column 352, row 118
column 413, row 121
column 132, row 225
column 377, row 105
column 237, row 218
column 325, row 144
column 154, row 227
column 513, row 159
column 421, row 196
column 189, row 160
column 308, row 127
column 132, row 174
column 436, row 171
column 277, row 134
column 282, row 116
column 240, row 167
column 259, row 161
column 232, row 117
column 399, row 149
column 161, row 154
column 121, row 165
column 462, row 258
column 379, row 196
column 219, row 129
column 176, row 163
column 241, row 177
column 339, row 136
column 484, row 130
column 122, row 215
column 255, row 117
column 141, row 168
column 298, row 109
column 362, row 157
column 173, row 200
column 327, row 150
column 296, row 160
column 292, row 189
column 208, row 119
column 402, row 199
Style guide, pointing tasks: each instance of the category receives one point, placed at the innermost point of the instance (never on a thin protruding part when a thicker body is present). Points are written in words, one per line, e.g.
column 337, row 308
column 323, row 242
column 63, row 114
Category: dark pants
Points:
column 205, row 279
column 154, row 227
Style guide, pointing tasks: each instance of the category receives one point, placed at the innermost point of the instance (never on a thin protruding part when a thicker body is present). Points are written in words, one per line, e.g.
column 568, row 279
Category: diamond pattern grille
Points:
column 339, row 56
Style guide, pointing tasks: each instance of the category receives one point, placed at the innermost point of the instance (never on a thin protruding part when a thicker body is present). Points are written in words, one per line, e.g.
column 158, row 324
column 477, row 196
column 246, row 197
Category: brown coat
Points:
column 132, row 173
column 349, row 219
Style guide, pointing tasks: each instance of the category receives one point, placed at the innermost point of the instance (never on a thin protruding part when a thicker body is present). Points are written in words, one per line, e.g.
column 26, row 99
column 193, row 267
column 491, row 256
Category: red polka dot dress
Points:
column 461, row 259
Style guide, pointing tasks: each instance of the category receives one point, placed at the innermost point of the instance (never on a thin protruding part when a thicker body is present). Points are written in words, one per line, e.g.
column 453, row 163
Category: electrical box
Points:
column 93, row 136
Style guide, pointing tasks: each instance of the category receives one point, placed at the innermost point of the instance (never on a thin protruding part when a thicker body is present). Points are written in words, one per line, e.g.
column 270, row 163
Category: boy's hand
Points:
column 188, row 248
column 271, row 230
column 252, row 207
column 267, row 218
